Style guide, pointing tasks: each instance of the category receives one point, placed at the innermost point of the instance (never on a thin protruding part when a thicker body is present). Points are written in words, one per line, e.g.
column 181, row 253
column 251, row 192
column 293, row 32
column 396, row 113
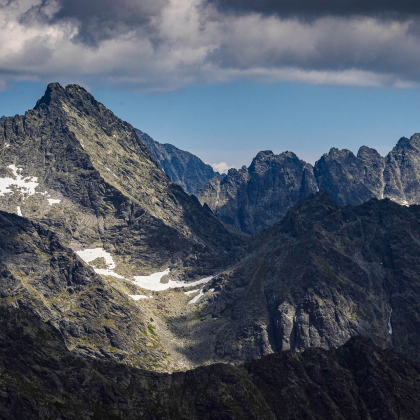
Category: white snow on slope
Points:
column 52, row 201
column 89, row 255
column 26, row 185
column 138, row 297
column 389, row 323
column 192, row 291
column 197, row 298
column 19, row 211
column 152, row 282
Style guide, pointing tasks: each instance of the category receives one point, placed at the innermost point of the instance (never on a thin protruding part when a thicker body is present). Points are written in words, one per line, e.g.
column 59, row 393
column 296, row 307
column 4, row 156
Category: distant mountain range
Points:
column 183, row 168
column 252, row 199
column 256, row 197
column 112, row 276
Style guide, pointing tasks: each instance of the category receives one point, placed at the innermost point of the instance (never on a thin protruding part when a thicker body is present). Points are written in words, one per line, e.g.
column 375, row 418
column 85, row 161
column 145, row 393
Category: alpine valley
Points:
column 279, row 291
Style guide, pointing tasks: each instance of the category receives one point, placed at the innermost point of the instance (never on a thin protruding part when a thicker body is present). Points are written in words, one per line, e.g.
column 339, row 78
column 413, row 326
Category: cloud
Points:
column 97, row 20
column 311, row 8
column 221, row 167
column 162, row 45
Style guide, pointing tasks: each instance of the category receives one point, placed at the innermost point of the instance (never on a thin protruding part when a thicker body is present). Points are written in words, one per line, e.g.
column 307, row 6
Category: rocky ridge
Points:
column 183, row 168
column 89, row 214
column 73, row 166
column 254, row 198
column 40, row 378
column 321, row 276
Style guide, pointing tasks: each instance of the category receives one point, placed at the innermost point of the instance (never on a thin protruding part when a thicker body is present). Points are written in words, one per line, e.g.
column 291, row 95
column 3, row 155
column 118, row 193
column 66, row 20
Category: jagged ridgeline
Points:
column 41, row 379
column 183, row 168
column 254, row 198
column 74, row 167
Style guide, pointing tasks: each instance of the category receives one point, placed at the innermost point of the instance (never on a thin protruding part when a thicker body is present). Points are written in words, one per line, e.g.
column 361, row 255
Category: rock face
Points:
column 349, row 179
column 402, row 171
column 41, row 277
column 76, row 181
column 41, row 379
column 321, row 276
column 77, row 169
column 183, row 168
column 253, row 198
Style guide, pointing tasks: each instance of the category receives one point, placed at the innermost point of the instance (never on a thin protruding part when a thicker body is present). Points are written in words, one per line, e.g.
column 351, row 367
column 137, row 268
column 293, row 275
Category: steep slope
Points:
column 253, row 202
column 40, row 276
column 253, row 198
column 41, row 379
column 76, row 168
column 183, row 168
column 402, row 171
column 322, row 275
column 349, row 179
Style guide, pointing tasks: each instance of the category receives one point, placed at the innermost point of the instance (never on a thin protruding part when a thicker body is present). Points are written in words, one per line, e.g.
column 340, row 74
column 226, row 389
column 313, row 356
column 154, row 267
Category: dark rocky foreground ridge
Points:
column 41, row 379
column 254, row 198
column 183, row 168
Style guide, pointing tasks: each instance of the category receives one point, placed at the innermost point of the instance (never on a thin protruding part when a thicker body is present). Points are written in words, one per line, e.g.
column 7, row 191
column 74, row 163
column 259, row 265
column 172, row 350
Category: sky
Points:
column 225, row 79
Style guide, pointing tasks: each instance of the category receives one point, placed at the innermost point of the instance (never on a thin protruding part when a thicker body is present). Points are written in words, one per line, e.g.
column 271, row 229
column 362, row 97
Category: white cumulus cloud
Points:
column 221, row 167
column 170, row 44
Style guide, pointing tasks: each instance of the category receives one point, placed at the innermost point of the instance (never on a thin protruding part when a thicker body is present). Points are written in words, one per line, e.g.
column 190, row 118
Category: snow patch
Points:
column 192, row 291
column 52, row 201
column 26, row 185
column 197, row 298
column 6, row 145
column 19, row 211
column 138, row 297
column 152, row 282
column 389, row 323
column 89, row 255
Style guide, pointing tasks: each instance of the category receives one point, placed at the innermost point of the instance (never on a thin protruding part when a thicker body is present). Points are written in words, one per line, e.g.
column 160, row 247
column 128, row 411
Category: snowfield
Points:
column 153, row 282
column 26, row 185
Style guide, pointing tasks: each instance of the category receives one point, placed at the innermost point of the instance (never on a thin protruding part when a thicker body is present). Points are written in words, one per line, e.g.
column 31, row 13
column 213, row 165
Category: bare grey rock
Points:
column 321, row 276
column 253, row 198
column 183, row 168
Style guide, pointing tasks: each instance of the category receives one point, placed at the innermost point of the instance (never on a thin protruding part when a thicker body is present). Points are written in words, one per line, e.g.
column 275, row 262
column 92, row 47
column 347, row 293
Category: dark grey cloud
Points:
column 161, row 45
column 317, row 8
column 8, row 3
column 98, row 20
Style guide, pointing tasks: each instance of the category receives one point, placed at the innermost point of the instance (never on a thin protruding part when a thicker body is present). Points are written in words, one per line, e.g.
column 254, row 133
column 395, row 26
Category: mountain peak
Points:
column 53, row 91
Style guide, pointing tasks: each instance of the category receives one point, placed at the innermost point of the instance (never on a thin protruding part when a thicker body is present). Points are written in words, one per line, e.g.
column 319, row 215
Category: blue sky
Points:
column 231, row 122
column 226, row 78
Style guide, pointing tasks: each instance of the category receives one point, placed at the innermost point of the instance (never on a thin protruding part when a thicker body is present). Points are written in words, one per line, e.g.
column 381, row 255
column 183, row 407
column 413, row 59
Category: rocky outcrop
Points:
column 73, row 166
column 320, row 277
column 349, row 179
column 253, row 198
column 39, row 276
column 41, row 379
column 254, row 202
column 183, row 168
column 402, row 171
